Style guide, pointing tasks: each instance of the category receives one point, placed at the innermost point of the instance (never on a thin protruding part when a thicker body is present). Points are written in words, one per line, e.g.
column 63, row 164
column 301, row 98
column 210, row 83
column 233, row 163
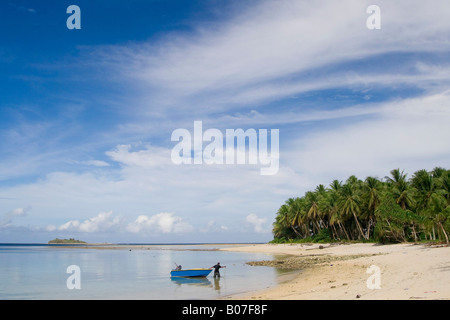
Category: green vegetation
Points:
column 65, row 241
column 389, row 210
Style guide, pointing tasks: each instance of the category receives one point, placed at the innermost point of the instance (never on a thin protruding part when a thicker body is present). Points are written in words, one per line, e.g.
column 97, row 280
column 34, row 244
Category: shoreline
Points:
column 169, row 246
column 335, row 271
column 343, row 271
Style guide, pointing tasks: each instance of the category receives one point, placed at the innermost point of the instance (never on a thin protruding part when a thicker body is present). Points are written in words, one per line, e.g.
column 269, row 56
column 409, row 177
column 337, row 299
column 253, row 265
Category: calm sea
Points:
column 126, row 272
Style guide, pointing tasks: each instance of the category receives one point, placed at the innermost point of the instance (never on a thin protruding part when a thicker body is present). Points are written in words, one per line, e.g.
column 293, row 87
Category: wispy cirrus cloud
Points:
column 7, row 218
column 23, row 8
column 273, row 51
column 406, row 133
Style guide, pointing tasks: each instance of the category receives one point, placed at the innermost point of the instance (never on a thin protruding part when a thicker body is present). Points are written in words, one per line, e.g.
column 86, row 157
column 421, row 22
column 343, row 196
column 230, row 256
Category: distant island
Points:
column 65, row 241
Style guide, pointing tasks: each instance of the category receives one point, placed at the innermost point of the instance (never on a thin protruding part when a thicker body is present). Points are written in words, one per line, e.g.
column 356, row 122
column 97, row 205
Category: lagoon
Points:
column 39, row 272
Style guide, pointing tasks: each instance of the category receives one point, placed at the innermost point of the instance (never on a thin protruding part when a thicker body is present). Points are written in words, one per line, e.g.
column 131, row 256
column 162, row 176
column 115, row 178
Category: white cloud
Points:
column 50, row 228
column 212, row 227
column 19, row 211
column 102, row 222
column 149, row 157
column 159, row 223
column 7, row 218
column 257, row 223
column 410, row 134
column 96, row 163
column 23, row 8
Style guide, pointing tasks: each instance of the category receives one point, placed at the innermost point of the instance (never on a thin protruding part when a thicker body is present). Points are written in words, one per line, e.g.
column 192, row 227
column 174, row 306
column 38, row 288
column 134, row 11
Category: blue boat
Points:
column 197, row 272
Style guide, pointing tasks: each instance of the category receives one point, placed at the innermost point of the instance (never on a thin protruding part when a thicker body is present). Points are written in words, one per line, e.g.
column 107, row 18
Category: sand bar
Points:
column 406, row 271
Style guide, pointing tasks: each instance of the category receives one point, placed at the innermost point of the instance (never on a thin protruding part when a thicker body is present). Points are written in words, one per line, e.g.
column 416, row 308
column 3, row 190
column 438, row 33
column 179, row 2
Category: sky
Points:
column 87, row 115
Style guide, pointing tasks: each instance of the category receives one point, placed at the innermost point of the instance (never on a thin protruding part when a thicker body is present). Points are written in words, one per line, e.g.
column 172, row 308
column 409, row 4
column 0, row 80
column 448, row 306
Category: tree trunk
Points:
column 369, row 224
column 414, row 233
column 296, row 232
column 443, row 230
column 359, row 226
column 335, row 233
column 345, row 231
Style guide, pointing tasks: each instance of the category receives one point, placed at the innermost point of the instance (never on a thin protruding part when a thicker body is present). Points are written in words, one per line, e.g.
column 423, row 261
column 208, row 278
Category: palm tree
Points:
column 442, row 181
column 425, row 187
column 401, row 189
column 438, row 172
column 396, row 209
column 350, row 205
column 328, row 204
column 313, row 213
column 446, row 186
column 281, row 222
column 336, row 185
column 371, row 196
column 440, row 212
column 298, row 216
column 396, row 176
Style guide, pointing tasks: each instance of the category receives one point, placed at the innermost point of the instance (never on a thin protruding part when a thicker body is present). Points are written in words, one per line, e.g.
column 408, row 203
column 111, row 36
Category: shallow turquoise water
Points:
column 40, row 272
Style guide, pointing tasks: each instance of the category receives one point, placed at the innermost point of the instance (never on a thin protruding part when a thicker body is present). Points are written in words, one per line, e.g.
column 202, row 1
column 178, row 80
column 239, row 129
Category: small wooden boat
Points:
column 196, row 272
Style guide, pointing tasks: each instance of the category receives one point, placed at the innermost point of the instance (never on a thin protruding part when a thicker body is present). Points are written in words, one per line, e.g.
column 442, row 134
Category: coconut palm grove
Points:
column 396, row 208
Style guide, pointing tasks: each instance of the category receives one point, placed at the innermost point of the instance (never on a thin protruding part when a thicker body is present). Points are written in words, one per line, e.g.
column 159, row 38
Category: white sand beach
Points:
column 406, row 271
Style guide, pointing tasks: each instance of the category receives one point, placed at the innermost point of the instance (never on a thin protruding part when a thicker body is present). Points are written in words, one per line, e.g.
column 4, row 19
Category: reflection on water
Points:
column 197, row 282
column 201, row 281
column 217, row 284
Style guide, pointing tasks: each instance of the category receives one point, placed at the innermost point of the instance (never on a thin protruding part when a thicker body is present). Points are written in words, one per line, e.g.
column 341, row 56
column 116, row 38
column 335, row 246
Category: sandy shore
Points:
column 340, row 272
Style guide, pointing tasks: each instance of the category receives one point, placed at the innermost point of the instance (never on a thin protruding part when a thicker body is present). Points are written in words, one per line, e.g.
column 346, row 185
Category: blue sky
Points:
column 87, row 115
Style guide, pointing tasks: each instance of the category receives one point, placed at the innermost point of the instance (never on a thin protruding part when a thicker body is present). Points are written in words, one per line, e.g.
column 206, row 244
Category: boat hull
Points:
column 190, row 273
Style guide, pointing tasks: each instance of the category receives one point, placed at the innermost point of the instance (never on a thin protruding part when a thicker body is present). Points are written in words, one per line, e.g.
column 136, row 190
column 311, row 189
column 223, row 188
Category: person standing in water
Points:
column 216, row 269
